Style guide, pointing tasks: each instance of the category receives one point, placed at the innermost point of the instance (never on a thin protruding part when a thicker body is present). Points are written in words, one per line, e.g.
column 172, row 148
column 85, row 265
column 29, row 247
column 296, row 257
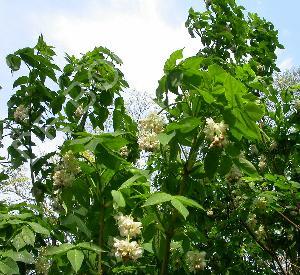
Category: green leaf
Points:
column 118, row 198
column 180, row 207
column 71, row 220
column 3, row 176
column 9, row 267
column 108, row 157
column 185, row 125
column 245, row 166
column 148, row 247
column 164, row 138
column 171, row 62
column 13, row 62
column 75, row 257
column 21, row 256
column 90, row 246
column 63, row 248
column 20, row 81
column 211, row 162
column 18, row 242
column 254, row 111
column 189, row 202
column 39, row 229
column 132, row 181
column 28, row 236
column 158, row 198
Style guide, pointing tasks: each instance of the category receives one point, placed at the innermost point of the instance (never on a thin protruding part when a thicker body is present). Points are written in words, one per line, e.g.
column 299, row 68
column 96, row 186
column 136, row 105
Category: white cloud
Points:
column 133, row 29
column 286, row 64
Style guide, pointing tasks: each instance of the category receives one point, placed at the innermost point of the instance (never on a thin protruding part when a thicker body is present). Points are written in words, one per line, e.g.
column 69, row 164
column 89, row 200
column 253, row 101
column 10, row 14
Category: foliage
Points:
column 219, row 193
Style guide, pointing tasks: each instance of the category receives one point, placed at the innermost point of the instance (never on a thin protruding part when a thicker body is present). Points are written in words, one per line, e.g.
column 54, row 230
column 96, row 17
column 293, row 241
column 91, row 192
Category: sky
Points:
column 142, row 32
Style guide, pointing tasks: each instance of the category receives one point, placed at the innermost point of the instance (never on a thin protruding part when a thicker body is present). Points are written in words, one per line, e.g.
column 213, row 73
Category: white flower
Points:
column 261, row 202
column 79, row 111
column 153, row 124
column 127, row 226
column 70, row 163
column 124, row 151
column 260, row 232
column 253, row 149
column 62, row 178
column 21, row 113
column 149, row 128
column 215, row 132
column 262, row 162
column 89, row 156
column 66, row 172
column 195, row 260
column 126, row 250
column 234, row 174
column 148, row 141
column 297, row 104
column 210, row 213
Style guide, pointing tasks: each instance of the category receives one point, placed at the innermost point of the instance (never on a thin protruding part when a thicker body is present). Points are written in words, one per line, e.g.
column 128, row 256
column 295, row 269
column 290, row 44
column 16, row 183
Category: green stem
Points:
column 186, row 171
column 101, row 235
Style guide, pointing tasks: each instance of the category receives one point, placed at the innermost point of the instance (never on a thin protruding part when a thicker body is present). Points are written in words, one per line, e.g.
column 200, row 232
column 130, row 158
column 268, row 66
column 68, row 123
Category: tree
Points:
column 220, row 193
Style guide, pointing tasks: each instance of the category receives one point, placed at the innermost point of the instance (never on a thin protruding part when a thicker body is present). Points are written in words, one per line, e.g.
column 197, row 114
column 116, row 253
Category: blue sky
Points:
column 142, row 32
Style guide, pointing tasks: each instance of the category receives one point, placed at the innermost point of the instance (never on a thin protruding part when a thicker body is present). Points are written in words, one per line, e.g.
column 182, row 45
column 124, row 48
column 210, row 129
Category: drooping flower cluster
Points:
column 234, row 174
column 150, row 127
column 127, row 226
column 89, row 156
column 297, row 104
column 126, row 249
column 260, row 232
column 215, row 132
column 262, row 162
column 21, row 113
column 79, row 111
column 62, row 178
column 253, row 149
column 195, row 260
column 210, row 213
column 42, row 263
column 124, row 151
column 65, row 173
column 273, row 145
column 261, row 203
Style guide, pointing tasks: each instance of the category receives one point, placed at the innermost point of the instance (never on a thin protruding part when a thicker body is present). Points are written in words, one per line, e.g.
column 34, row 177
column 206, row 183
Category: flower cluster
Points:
column 62, row 178
column 297, row 104
column 126, row 249
column 65, row 173
column 262, row 162
column 195, row 260
column 79, row 111
column 215, row 132
column 127, row 226
column 210, row 213
column 261, row 203
column 253, row 149
column 234, row 174
column 124, row 151
column 42, row 263
column 260, row 232
column 70, row 163
column 150, row 127
column 89, row 156
column 21, row 113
